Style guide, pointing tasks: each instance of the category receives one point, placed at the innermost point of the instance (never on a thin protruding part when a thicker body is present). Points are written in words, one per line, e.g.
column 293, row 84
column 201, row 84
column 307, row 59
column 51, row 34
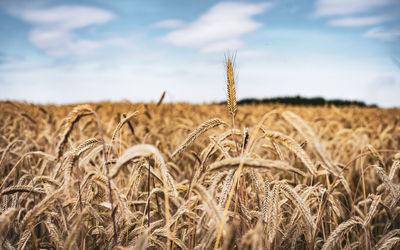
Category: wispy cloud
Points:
column 384, row 34
column 359, row 21
column 169, row 24
column 380, row 14
column 53, row 28
column 345, row 7
column 5, row 58
column 220, row 28
column 67, row 17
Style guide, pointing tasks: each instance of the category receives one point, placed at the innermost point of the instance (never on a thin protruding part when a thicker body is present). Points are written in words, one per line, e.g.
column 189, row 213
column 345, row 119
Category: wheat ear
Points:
column 120, row 124
column 22, row 188
column 230, row 78
column 340, row 230
column 273, row 215
column 372, row 210
column 196, row 133
column 267, row 198
column 161, row 98
column 231, row 90
column 292, row 145
column 386, row 180
column 310, row 136
column 76, row 114
column 376, row 155
column 300, row 204
column 389, row 244
column 395, row 233
column 253, row 163
column 6, row 218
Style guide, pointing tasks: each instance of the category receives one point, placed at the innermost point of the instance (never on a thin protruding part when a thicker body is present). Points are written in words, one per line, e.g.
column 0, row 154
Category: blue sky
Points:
column 75, row 51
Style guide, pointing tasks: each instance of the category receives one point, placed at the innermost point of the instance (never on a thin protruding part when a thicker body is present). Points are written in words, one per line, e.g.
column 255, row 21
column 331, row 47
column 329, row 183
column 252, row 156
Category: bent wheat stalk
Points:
column 76, row 114
column 196, row 133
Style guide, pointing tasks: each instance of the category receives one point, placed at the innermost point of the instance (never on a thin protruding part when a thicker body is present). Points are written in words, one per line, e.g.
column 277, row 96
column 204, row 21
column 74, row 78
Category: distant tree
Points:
column 303, row 101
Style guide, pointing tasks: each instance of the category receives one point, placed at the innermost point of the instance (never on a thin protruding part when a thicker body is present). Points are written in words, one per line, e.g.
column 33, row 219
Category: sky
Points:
column 62, row 51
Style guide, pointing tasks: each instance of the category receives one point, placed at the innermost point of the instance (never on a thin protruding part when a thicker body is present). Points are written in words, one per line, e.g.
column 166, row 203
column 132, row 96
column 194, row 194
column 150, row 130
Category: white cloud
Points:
column 220, row 28
column 169, row 24
column 53, row 28
column 67, row 17
column 383, row 34
column 345, row 7
column 358, row 21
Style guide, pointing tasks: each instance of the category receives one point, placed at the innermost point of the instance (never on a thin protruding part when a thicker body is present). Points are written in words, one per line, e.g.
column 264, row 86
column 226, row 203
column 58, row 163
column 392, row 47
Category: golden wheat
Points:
column 282, row 177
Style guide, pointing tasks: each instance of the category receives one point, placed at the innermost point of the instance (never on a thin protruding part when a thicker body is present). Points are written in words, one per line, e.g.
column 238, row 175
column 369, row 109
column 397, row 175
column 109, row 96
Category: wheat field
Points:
column 183, row 176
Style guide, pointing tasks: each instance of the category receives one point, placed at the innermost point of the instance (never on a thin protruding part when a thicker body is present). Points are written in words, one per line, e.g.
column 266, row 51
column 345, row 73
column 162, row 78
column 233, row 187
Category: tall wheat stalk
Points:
column 231, row 91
